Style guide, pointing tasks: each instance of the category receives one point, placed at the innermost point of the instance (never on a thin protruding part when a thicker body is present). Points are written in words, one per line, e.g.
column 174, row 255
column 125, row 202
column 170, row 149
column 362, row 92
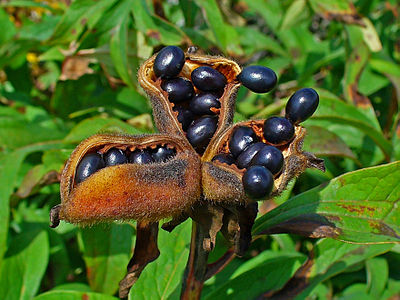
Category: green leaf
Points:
column 9, row 167
column 371, row 37
column 153, row 27
column 24, row 265
column 119, row 49
column 323, row 142
column 35, row 125
column 359, row 207
column 293, row 13
column 339, row 112
column 334, row 257
column 73, row 295
column 267, row 271
column 161, row 277
column 78, row 15
column 95, row 125
column 332, row 7
column 225, row 35
column 377, row 276
column 106, row 252
column 385, row 67
column 8, row 28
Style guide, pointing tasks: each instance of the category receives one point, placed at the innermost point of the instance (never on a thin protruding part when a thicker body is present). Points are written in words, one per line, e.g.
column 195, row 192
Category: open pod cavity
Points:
column 165, row 111
column 150, row 191
column 222, row 182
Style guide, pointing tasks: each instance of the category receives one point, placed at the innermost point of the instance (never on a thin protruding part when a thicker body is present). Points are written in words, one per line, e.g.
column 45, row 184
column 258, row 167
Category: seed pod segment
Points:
column 222, row 182
column 148, row 192
column 166, row 112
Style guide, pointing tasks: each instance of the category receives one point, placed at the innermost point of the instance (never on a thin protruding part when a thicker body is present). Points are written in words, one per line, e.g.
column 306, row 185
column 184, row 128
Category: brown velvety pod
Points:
column 164, row 116
column 148, row 192
column 223, row 183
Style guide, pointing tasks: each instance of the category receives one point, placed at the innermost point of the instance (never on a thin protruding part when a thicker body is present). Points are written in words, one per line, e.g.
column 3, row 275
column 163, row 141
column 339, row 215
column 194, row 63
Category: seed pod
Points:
column 223, row 182
column 164, row 111
column 148, row 192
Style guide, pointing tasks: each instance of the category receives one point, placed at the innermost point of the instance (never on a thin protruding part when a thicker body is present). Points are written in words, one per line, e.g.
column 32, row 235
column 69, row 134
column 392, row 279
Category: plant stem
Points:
column 196, row 267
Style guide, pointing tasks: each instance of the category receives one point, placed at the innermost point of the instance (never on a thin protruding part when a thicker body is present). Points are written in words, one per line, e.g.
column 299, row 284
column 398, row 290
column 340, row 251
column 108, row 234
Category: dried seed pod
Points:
column 223, row 182
column 130, row 191
column 166, row 116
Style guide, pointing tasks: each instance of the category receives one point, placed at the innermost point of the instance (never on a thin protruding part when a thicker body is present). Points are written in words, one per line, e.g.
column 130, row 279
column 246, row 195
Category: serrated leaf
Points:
column 161, row 277
column 24, row 265
column 359, row 207
column 106, row 252
column 95, row 125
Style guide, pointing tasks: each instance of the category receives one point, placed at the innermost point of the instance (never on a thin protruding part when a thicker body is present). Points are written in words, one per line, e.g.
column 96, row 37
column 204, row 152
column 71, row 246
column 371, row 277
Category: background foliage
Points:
column 68, row 70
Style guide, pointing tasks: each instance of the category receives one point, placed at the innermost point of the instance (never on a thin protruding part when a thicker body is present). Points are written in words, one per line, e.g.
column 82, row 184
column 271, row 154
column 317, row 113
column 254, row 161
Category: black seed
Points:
column 208, row 79
column 258, row 79
column 141, row 157
column 258, row 182
column 244, row 159
column 185, row 117
column 224, row 158
column 162, row 154
column 89, row 164
column 301, row 105
column 114, row 157
column 269, row 157
column 201, row 104
column 201, row 131
column 169, row 62
column 241, row 138
column 278, row 131
column 178, row 89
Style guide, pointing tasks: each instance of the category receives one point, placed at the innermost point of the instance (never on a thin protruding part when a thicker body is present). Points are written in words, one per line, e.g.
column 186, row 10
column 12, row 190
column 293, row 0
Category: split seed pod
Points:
column 164, row 115
column 223, row 183
column 130, row 191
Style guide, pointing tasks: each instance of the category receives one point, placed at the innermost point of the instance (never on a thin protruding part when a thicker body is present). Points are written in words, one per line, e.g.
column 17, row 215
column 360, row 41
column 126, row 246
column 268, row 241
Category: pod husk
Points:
column 130, row 191
column 164, row 116
column 223, row 183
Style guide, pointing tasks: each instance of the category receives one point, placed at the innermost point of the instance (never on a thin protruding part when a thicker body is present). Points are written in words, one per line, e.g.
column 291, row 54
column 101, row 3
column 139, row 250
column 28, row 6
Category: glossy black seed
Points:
column 224, row 158
column 258, row 79
column 162, row 154
column 89, row 164
column 169, row 62
column 244, row 159
column 202, row 103
column 241, row 138
column 208, row 79
column 141, row 157
column 301, row 105
column 201, row 131
column 114, row 157
column 257, row 182
column 278, row 131
column 185, row 117
column 178, row 89
column 269, row 157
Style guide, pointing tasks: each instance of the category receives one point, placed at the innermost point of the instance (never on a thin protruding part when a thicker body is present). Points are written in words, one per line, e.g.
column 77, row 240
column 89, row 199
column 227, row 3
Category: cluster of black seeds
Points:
column 260, row 156
column 197, row 113
column 93, row 162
